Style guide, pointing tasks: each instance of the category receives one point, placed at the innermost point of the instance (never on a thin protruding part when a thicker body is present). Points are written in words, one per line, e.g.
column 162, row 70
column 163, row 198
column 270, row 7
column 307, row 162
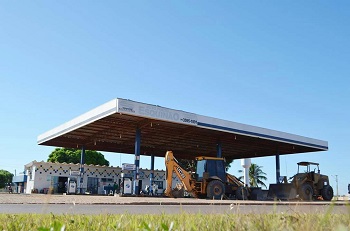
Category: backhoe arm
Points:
column 172, row 165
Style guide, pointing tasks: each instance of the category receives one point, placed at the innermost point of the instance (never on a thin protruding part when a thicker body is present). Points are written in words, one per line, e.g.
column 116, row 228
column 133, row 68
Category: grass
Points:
column 182, row 221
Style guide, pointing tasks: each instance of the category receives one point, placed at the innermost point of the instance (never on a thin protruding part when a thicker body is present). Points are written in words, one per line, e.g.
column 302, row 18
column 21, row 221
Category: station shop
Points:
column 47, row 177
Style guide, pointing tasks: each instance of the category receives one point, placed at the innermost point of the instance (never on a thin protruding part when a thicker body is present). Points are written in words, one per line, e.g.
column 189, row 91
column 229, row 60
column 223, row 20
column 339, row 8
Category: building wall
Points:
column 30, row 179
column 45, row 175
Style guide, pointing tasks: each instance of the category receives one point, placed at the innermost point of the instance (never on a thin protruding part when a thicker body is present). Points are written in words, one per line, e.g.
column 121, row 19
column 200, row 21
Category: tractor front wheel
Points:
column 306, row 192
column 215, row 189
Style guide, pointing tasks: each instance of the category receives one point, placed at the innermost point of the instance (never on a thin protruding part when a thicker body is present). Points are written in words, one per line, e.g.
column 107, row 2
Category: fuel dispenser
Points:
column 72, row 185
column 126, row 184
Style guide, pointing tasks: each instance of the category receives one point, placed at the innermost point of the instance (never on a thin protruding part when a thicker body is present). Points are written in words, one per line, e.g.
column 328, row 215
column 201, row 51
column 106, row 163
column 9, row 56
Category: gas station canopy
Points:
column 112, row 127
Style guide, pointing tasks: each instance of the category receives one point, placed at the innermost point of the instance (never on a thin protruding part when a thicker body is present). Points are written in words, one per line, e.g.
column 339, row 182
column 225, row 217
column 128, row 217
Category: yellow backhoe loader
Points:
column 210, row 180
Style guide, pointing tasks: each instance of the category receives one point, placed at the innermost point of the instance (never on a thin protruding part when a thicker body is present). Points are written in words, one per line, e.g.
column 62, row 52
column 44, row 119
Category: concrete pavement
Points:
column 97, row 199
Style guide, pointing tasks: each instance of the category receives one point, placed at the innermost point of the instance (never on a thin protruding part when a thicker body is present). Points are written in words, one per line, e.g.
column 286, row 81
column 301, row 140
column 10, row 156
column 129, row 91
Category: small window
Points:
column 200, row 168
column 159, row 183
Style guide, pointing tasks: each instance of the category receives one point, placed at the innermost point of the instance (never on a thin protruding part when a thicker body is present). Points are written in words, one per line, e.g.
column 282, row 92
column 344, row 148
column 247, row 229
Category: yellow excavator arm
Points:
column 172, row 165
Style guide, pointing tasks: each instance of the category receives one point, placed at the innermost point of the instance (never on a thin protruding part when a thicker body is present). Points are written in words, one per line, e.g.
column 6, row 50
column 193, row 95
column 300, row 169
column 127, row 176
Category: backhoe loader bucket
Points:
column 282, row 192
column 178, row 191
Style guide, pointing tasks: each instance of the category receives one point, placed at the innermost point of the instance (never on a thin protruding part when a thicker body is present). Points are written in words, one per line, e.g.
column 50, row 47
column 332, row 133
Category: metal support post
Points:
column 218, row 149
column 137, row 160
column 82, row 162
column 336, row 182
column 278, row 169
column 151, row 178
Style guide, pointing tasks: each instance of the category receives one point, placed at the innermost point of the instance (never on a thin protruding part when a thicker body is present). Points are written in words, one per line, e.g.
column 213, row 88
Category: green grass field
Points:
column 182, row 221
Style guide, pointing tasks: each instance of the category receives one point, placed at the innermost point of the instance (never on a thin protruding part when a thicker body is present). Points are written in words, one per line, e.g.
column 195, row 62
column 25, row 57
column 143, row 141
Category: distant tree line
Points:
column 5, row 178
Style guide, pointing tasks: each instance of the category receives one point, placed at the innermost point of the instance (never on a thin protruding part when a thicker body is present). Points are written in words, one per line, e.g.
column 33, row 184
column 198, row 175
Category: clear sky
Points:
column 281, row 65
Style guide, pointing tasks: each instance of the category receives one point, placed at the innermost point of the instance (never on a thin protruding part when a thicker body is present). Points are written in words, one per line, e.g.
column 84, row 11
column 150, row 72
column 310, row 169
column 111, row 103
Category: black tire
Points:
column 215, row 190
column 327, row 193
column 306, row 192
column 242, row 193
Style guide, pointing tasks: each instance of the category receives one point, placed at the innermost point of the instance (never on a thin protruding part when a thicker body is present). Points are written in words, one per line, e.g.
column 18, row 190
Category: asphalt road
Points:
column 168, row 209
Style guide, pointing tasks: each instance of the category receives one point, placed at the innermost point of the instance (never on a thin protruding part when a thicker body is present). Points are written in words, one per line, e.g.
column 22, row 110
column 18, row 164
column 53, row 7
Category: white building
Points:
column 44, row 176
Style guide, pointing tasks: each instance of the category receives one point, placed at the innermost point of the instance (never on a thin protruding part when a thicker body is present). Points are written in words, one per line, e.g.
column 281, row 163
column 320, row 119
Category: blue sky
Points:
column 281, row 65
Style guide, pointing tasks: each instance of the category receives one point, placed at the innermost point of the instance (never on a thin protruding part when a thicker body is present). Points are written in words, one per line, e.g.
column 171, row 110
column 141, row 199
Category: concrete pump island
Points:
column 125, row 126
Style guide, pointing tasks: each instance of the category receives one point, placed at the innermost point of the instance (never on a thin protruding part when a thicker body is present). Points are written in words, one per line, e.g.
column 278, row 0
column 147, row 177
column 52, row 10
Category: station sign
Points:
column 74, row 173
column 131, row 167
column 156, row 112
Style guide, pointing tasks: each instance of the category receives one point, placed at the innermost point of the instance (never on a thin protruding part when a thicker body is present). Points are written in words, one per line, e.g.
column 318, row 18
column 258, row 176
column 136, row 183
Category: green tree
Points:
column 5, row 178
column 71, row 155
column 228, row 162
column 190, row 165
column 256, row 176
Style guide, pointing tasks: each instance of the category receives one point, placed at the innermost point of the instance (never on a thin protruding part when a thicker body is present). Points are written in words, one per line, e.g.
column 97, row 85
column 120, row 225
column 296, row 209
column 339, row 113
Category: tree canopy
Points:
column 256, row 176
column 5, row 178
column 228, row 162
column 71, row 155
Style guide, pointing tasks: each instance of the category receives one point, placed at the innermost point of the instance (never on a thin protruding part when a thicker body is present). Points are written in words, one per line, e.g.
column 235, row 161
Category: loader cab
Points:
column 209, row 167
column 307, row 167
column 310, row 169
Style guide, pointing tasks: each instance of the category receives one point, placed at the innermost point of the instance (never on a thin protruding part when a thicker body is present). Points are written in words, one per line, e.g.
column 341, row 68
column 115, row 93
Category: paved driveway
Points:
column 88, row 204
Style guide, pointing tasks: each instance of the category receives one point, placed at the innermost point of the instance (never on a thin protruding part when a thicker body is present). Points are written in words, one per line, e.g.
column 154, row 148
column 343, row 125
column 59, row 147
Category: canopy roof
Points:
column 112, row 127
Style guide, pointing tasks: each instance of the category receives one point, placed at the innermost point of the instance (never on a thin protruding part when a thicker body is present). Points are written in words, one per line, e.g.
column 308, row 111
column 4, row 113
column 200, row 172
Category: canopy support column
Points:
column 137, row 160
column 82, row 162
column 278, row 170
column 218, row 149
column 151, row 177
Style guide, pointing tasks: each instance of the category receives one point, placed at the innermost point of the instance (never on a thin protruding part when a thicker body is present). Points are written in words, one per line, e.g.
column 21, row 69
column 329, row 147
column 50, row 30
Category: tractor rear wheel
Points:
column 306, row 192
column 215, row 189
column 327, row 193
column 242, row 193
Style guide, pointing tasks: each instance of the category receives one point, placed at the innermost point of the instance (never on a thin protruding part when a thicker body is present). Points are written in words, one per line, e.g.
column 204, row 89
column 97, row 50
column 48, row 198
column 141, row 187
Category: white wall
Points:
column 42, row 174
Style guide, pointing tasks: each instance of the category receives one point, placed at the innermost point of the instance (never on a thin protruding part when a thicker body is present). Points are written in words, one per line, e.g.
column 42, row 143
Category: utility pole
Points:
column 336, row 180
